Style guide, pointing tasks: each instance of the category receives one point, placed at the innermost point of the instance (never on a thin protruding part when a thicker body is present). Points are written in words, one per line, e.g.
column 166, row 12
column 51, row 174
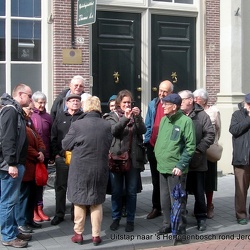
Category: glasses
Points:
column 185, row 98
column 41, row 103
column 29, row 95
column 167, row 104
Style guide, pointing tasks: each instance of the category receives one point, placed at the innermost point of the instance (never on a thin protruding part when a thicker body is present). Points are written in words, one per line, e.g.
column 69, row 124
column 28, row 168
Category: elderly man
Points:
column 59, row 129
column 154, row 114
column 174, row 148
column 76, row 87
column 205, row 136
column 13, row 153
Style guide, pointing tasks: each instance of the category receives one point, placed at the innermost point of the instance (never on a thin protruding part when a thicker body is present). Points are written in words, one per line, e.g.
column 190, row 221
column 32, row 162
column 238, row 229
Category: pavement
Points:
column 222, row 232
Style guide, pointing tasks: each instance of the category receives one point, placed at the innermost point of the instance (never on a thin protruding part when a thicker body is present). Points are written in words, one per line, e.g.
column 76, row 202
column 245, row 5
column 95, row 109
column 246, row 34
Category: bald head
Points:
column 165, row 88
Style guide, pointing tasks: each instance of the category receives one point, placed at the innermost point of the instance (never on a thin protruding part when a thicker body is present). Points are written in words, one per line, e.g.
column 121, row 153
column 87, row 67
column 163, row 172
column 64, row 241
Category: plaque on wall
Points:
column 72, row 56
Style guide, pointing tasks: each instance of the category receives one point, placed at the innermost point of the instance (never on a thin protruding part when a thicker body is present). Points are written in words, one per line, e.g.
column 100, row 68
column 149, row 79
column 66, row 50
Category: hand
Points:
column 136, row 111
column 177, row 172
column 13, row 171
column 40, row 156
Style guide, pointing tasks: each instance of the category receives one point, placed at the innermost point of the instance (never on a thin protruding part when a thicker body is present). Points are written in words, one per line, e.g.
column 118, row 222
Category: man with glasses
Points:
column 13, row 152
column 76, row 87
column 205, row 136
column 154, row 114
column 60, row 128
column 174, row 148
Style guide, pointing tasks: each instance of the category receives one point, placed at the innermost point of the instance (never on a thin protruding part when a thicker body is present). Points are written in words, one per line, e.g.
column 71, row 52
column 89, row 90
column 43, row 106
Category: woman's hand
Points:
column 136, row 111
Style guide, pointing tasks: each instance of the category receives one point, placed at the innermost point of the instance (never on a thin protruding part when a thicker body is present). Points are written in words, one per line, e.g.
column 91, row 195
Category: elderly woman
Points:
column 42, row 122
column 201, row 97
column 89, row 139
column 127, row 129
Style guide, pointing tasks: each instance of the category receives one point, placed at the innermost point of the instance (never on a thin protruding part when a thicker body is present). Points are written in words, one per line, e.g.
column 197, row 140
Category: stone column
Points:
column 234, row 68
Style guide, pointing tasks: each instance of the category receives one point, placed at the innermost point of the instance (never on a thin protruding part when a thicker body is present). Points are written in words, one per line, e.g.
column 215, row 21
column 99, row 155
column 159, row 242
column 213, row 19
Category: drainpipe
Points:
column 72, row 25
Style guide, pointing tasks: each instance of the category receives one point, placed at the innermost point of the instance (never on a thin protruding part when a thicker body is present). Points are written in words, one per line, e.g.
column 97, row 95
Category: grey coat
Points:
column 89, row 139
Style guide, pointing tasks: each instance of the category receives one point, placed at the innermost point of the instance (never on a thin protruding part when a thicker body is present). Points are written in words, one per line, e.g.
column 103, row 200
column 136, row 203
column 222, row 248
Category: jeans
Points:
column 155, row 177
column 117, row 184
column 61, row 183
column 9, row 197
column 24, row 210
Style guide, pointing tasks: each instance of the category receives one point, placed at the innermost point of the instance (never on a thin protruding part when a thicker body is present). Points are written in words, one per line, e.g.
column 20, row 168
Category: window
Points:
column 176, row 1
column 20, row 44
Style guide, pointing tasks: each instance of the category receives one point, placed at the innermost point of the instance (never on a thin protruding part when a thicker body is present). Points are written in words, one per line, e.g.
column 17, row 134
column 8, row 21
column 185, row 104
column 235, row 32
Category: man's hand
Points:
column 40, row 157
column 177, row 172
column 13, row 171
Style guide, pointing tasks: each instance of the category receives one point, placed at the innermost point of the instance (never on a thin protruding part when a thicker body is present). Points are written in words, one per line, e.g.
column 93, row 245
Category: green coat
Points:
column 175, row 144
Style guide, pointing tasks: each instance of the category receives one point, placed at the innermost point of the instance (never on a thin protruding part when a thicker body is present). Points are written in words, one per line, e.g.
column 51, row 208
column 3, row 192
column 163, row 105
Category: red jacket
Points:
column 35, row 145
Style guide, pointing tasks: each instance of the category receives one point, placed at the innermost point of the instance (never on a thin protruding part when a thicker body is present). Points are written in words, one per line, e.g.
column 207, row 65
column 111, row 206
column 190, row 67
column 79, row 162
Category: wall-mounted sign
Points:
column 86, row 12
column 72, row 56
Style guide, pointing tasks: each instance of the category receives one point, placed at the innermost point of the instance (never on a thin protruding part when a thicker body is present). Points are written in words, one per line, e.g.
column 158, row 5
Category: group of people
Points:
column 178, row 130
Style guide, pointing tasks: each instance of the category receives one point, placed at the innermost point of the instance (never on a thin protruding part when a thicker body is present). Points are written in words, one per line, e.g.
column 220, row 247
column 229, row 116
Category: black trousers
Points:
column 196, row 185
column 156, row 201
column 61, row 181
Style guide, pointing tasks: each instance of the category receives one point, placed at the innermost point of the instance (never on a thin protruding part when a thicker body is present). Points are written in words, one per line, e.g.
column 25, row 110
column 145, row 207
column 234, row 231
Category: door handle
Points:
column 174, row 77
column 154, row 89
column 116, row 77
column 139, row 89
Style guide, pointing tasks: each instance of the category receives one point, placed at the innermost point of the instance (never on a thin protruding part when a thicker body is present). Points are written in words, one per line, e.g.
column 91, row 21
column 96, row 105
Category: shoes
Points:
column 77, row 238
column 15, row 243
column 153, row 214
column 182, row 238
column 41, row 214
column 164, row 230
column 210, row 211
column 129, row 227
column 34, row 225
column 96, row 240
column 115, row 225
column 56, row 220
column 25, row 237
column 25, row 229
column 242, row 221
column 201, row 226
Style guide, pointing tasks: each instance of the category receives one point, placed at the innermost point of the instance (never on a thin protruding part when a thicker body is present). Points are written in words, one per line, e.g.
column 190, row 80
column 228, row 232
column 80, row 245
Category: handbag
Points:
column 68, row 157
column 214, row 152
column 119, row 163
column 41, row 174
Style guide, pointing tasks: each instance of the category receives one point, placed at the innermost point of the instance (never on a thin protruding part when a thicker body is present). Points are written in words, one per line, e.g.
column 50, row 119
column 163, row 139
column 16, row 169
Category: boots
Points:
column 36, row 218
column 41, row 213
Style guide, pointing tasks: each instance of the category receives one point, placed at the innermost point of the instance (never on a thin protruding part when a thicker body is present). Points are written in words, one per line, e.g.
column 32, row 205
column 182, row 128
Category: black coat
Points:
column 205, row 135
column 89, row 139
column 240, row 129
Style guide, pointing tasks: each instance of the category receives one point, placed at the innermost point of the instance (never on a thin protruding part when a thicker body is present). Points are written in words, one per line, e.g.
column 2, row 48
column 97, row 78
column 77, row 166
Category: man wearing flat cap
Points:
column 59, row 129
column 76, row 87
column 174, row 149
column 240, row 130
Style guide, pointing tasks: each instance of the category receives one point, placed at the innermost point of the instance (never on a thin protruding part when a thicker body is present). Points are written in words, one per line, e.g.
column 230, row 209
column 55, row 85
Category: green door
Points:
column 173, row 52
column 116, row 55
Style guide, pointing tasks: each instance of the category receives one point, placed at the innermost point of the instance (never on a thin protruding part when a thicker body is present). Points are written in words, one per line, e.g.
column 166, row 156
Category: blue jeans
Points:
column 9, row 197
column 131, row 183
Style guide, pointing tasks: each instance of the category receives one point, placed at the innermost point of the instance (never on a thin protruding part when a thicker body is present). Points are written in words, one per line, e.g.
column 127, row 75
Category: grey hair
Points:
column 202, row 93
column 188, row 93
column 77, row 77
column 39, row 95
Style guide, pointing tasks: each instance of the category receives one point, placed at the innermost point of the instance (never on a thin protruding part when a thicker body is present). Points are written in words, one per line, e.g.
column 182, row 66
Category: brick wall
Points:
column 62, row 40
column 213, row 48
